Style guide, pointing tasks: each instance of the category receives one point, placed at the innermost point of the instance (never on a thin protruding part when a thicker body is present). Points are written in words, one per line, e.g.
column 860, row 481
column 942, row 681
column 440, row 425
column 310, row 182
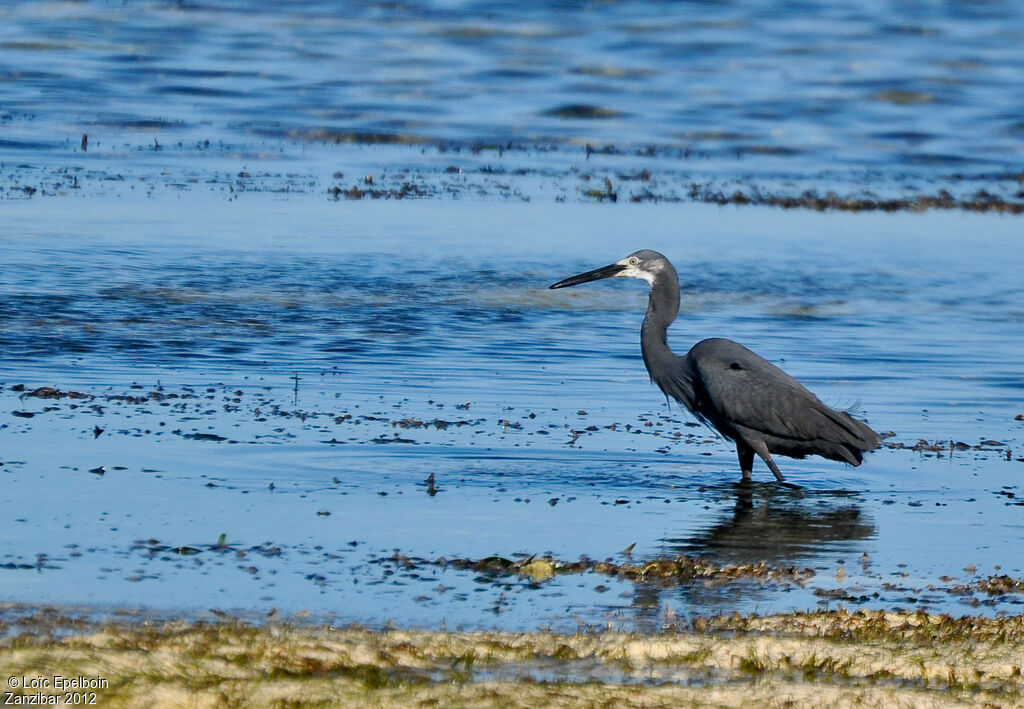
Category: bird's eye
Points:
column 633, row 261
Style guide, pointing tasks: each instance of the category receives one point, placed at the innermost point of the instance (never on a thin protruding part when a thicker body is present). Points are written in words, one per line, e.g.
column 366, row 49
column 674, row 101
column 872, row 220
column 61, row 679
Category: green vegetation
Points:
column 821, row 659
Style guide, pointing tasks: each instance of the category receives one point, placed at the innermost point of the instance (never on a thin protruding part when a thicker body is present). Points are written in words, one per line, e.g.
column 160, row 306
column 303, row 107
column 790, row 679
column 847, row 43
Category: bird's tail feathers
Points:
column 855, row 434
column 842, row 452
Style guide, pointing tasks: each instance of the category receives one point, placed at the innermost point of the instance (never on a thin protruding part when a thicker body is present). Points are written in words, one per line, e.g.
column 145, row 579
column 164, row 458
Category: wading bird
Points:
column 743, row 396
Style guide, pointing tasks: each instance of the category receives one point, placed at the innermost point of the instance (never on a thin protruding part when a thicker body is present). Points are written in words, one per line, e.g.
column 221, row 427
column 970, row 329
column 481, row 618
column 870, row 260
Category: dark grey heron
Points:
column 743, row 396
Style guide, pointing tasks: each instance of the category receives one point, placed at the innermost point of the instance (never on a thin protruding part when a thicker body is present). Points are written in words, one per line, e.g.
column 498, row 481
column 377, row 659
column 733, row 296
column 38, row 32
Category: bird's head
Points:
column 645, row 264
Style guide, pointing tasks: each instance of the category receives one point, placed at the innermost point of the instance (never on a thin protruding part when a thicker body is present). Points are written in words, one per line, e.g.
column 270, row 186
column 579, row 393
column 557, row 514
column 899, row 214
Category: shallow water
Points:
column 306, row 341
column 878, row 99
column 269, row 355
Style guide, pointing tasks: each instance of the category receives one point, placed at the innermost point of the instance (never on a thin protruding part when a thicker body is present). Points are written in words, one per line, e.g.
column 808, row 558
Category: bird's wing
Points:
column 746, row 390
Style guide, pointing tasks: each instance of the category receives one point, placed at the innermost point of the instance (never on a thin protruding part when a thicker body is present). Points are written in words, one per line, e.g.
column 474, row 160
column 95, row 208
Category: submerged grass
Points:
column 822, row 659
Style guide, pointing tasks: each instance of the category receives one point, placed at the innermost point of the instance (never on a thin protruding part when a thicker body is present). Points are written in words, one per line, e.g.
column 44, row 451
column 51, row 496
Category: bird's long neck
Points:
column 662, row 364
column 662, row 308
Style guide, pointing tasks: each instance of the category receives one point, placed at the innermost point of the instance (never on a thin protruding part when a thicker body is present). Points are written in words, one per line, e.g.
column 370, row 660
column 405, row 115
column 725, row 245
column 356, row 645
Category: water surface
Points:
column 880, row 99
column 288, row 373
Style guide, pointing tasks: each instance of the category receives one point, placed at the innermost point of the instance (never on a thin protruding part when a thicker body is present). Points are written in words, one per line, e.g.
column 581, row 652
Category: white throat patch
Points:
column 636, row 272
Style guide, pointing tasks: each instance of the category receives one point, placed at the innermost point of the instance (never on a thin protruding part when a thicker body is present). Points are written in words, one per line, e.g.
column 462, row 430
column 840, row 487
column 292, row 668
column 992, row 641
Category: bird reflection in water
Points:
column 778, row 526
column 769, row 524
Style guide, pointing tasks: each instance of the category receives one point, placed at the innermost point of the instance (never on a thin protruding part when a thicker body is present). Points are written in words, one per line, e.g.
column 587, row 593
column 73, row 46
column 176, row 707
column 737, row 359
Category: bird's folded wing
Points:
column 752, row 393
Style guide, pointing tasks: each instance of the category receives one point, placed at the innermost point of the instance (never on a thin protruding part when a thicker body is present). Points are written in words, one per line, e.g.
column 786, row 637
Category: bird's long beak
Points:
column 595, row 275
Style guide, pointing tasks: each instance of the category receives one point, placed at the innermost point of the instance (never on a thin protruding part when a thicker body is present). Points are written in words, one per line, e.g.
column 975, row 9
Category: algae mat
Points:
column 823, row 659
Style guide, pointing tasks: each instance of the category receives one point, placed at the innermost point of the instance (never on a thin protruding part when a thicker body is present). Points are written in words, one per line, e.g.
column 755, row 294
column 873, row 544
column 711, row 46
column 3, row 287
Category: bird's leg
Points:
column 746, row 456
column 761, row 448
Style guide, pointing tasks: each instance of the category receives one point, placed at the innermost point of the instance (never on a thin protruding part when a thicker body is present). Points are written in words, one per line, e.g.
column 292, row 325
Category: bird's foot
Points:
column 790, row 486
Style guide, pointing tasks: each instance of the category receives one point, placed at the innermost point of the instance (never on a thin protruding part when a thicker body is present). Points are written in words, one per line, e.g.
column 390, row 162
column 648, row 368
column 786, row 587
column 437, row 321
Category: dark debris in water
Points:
column 997, row 585
column 271, row 420
column 403, row 191
column 50, row 393
column 202, row 436
column 196, row 403
column 642, row 176
column 154, row 547
column 950, row 447
column 674, row 570
column 436, row 423
column 980, row 201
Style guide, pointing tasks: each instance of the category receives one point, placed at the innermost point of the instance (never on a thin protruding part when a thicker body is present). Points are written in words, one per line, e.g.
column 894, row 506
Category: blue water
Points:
column 324, row 227
column 874, row 99
column 428, row 320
